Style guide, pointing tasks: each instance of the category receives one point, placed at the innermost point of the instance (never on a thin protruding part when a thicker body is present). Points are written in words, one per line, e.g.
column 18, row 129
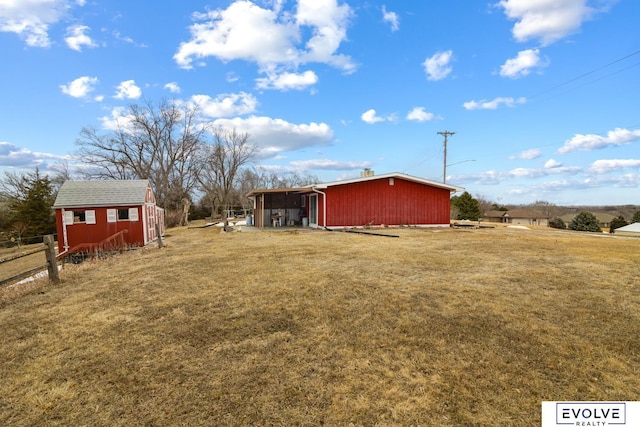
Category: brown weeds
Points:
column 438, row 327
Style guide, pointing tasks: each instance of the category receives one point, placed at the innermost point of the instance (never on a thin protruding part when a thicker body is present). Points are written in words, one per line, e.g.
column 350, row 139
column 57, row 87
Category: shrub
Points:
column 617, row 223
column 557, row 223
column 585, row 221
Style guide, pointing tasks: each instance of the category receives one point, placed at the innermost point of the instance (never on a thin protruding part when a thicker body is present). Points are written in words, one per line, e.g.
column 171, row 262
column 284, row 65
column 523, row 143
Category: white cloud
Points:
column 328, row 22
column 326, row 164
column 119, row 36
column 530, row 154
column 392, row 18
column 437, row 66
column 371, row 117
column 492, row 105
column 551, row 164
column 80, row 87
column 274, row 136
column 117, row 120
column 526, row 173
column 30, row 19
column 226, row 105
column 128, row 90
column 494, row 177
column 420, row 115
column 17, row 157
column 172, row 87
column 545, row 20
column 591, row 142
column 522, row 64
column 604, row 166
column 76, row 37
column 628, row 180
column 286, row 81
column 240, row 33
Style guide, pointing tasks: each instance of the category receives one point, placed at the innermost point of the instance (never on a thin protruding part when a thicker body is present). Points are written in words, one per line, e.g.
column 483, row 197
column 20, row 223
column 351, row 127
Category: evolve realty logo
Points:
column 590, row 414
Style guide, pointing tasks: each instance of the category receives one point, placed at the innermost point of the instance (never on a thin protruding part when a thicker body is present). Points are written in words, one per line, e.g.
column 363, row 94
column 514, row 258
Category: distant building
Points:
column 631, row 230
column 604, row 219
column 522, row 216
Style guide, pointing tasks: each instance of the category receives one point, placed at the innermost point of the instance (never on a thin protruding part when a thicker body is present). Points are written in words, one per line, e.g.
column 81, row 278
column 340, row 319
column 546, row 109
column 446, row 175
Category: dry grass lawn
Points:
column 437, row 327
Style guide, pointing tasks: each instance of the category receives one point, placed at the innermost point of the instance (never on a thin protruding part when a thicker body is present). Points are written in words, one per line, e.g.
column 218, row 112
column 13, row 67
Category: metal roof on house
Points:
column 310, row 188
column 451, row 188
column 280, row 190
column 525, row 213
column 75, row 194
column 634, row 228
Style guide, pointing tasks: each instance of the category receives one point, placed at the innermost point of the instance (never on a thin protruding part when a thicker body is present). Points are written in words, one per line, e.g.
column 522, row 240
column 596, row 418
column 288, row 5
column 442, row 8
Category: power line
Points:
column 588, row 73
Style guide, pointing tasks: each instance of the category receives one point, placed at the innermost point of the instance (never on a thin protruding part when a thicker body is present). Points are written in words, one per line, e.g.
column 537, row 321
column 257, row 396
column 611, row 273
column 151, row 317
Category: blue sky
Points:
column 543, row 95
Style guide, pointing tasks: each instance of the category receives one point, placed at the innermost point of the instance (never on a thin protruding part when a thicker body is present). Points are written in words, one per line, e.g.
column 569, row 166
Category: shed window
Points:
column 79, row 216
column 130, row 214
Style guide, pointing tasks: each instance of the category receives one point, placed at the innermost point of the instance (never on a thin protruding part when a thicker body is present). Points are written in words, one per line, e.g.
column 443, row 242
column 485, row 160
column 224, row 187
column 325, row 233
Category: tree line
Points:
column 192, row 166
column 467, row 207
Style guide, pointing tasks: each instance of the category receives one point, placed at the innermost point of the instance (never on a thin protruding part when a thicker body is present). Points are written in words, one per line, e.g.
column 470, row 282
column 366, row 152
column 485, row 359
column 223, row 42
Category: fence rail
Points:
column 115, row 242
column 51, row 264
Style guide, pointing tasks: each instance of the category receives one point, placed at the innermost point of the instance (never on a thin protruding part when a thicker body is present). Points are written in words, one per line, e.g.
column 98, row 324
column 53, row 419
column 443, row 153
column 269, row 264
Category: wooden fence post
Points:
column 52, row 264
column 159, row 235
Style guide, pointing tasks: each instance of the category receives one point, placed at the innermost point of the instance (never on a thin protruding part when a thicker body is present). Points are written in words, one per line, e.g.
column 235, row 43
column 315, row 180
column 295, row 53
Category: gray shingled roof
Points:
column 75, row 194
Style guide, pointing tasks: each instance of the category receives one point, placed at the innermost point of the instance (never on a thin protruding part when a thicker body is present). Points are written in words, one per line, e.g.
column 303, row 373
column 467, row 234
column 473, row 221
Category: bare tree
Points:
column 11, row 184
column 62, row 173
column 548, row 209
column 259, row 177
column 229, row 151
column 161, row 143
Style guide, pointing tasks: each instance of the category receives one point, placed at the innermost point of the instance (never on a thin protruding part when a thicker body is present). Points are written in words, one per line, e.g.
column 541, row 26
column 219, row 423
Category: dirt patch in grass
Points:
column 437, row 327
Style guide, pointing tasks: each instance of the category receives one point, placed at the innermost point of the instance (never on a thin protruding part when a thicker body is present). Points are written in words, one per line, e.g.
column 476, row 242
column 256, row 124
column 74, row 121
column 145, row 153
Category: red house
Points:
column 393, row 199
column 93, row 213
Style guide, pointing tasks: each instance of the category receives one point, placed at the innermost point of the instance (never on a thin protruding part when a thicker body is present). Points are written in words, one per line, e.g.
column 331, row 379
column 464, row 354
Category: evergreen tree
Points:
column 617, row 223
column 585, row 221
column 636, row 217
column 467, row 207
column 30, row 205
column 557, row 223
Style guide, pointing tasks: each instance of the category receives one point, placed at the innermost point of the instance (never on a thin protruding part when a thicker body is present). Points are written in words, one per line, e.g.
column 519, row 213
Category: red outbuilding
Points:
column 91, row 215
column 373, row 200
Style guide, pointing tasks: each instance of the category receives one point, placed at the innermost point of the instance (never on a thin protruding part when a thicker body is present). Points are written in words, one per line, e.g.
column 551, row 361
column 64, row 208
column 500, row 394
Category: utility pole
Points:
column 446, row 133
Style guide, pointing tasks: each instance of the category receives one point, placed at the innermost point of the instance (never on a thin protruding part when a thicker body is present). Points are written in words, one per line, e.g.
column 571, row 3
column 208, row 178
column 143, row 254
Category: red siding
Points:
column 377, row 202
column 79, row 233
